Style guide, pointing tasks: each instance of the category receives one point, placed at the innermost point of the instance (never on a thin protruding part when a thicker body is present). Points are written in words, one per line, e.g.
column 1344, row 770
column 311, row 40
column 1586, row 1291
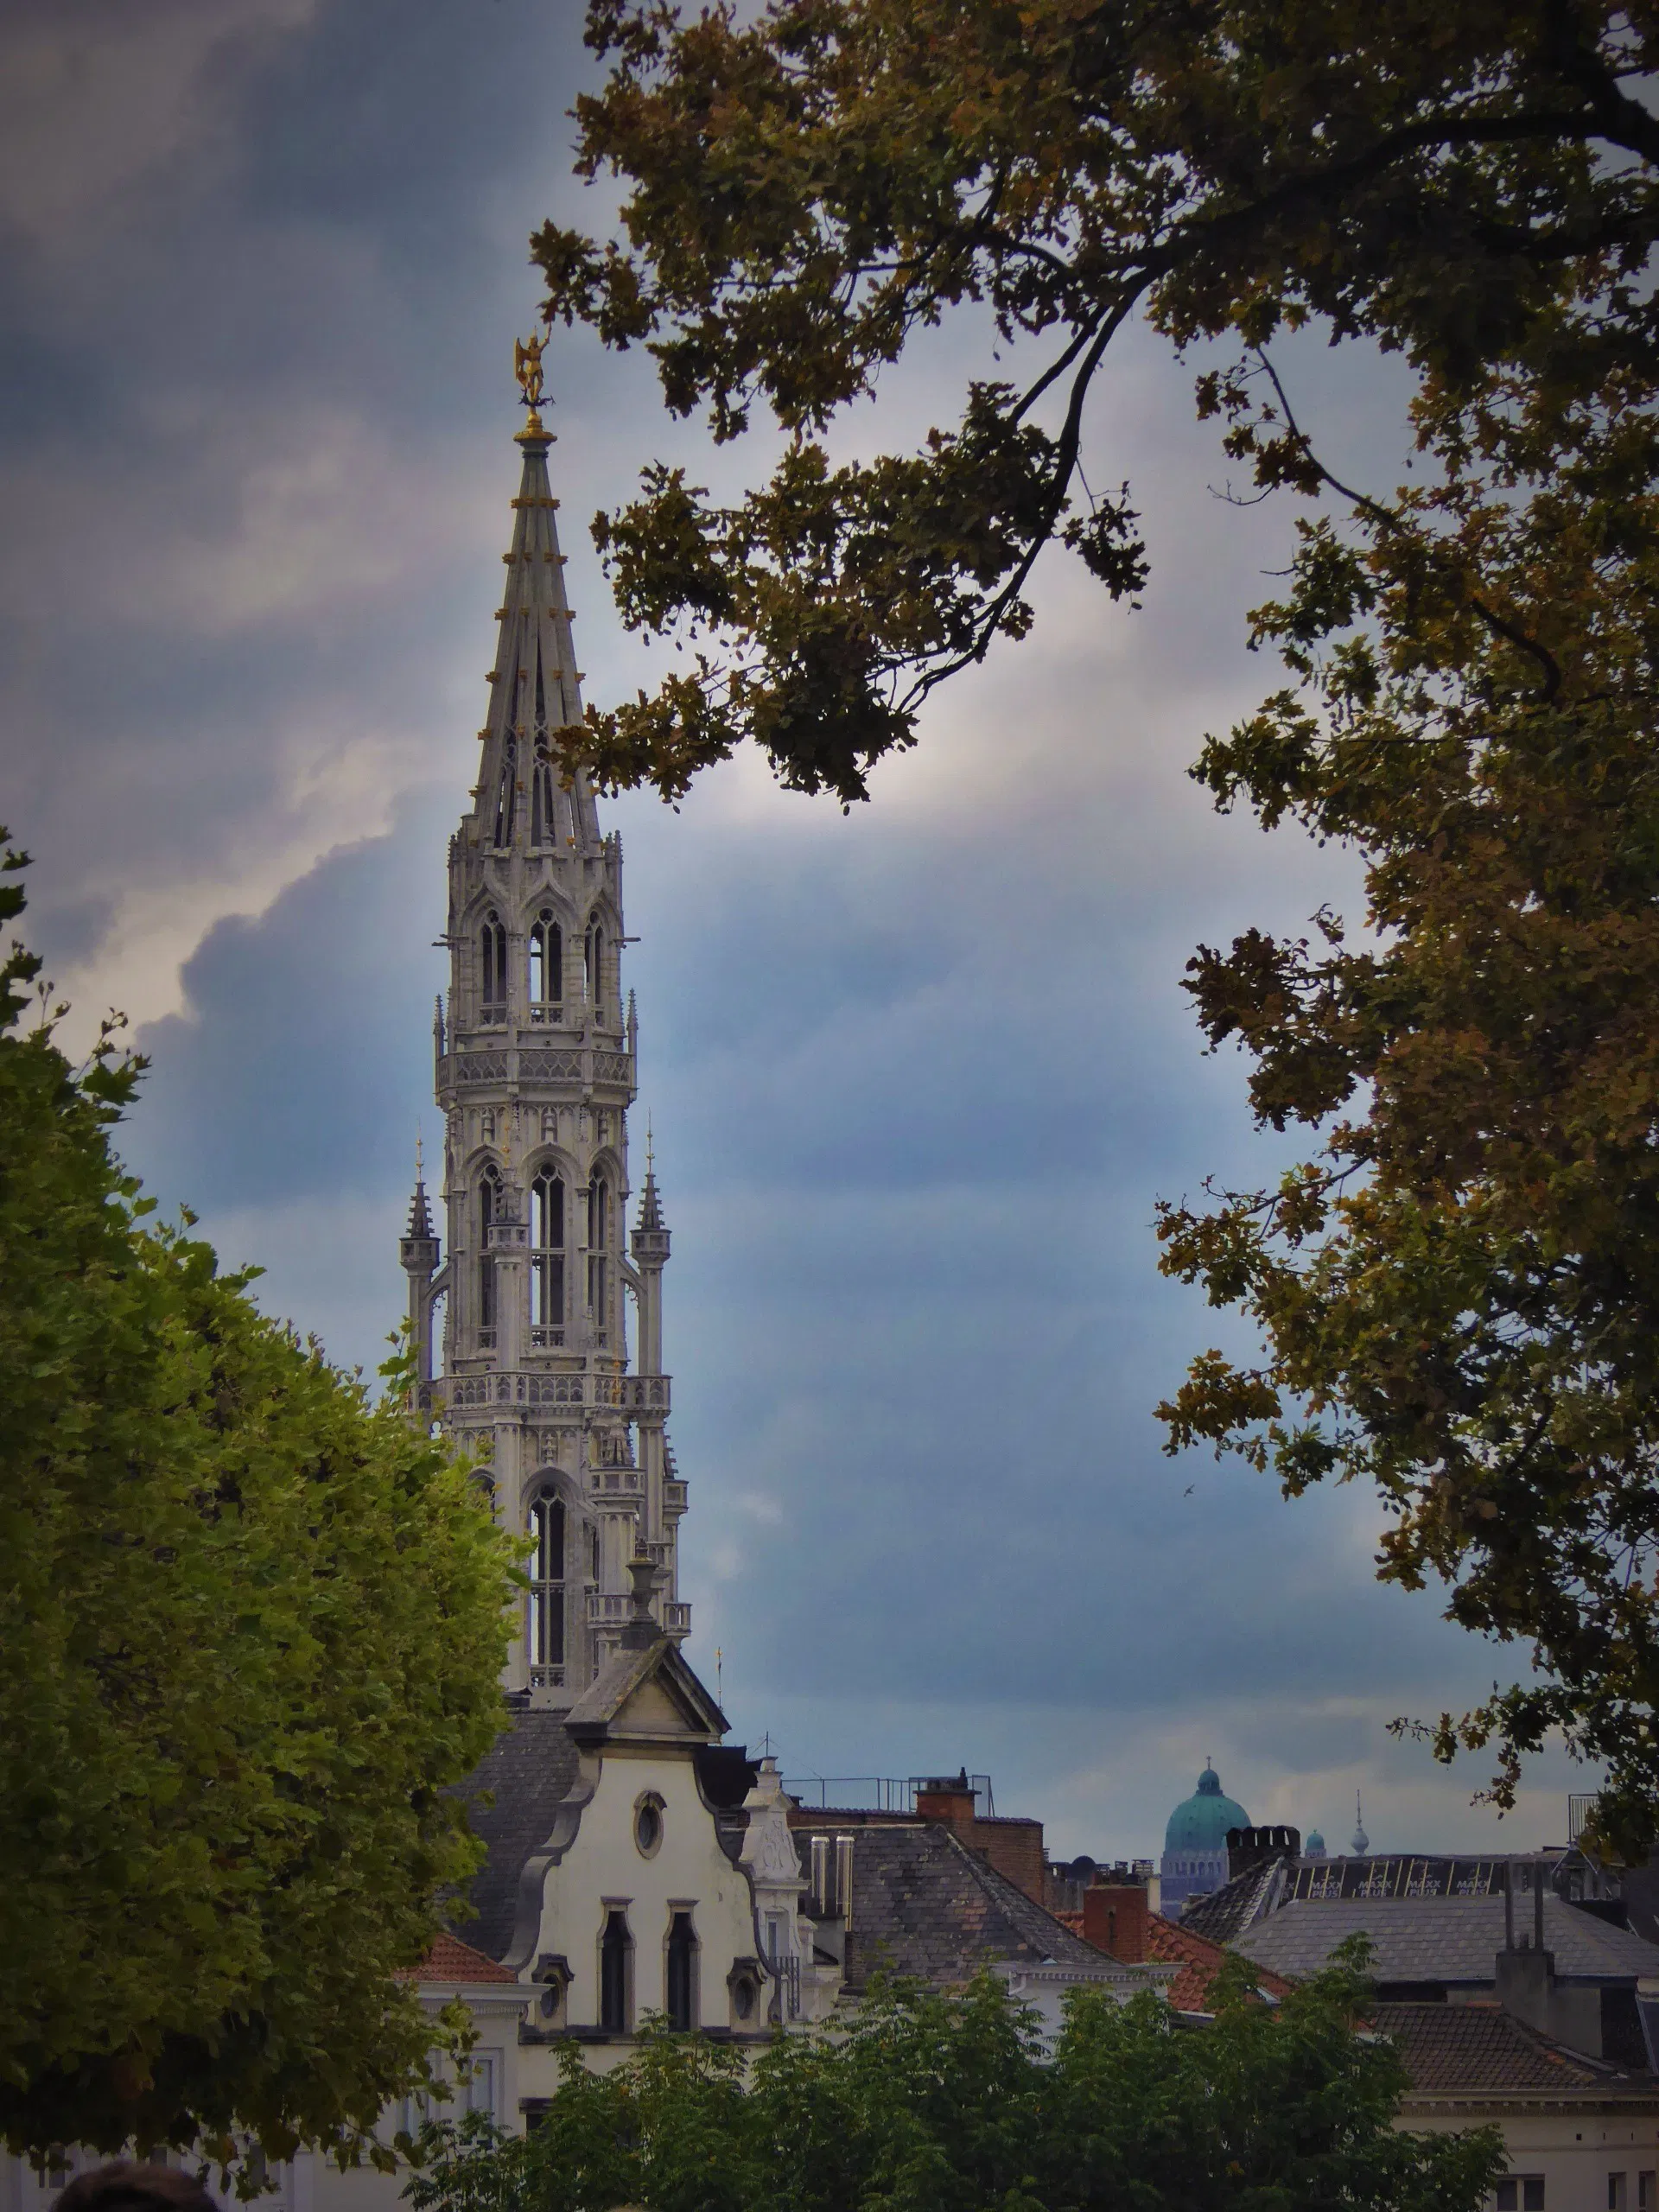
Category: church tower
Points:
column 535, row 1053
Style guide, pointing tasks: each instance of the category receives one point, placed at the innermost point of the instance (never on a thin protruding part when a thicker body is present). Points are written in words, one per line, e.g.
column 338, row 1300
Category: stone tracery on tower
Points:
column 535, row 1073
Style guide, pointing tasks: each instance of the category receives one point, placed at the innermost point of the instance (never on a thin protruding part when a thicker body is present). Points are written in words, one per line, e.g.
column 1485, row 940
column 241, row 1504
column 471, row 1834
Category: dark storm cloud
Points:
column 919, row 1076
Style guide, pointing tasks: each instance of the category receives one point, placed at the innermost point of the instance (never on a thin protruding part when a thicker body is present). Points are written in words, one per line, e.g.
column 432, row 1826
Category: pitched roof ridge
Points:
column 1005, row 1894
column 450, row 1960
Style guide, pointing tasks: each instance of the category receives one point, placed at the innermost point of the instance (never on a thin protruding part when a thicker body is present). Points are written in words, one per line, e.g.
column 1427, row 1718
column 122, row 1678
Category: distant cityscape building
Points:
column 1361, row 1842
column 1195, row 1843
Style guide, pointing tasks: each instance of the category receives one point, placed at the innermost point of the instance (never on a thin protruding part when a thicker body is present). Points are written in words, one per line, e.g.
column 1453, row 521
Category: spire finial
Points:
column 419, row 1176
column 650, row 1150
column 527, row 367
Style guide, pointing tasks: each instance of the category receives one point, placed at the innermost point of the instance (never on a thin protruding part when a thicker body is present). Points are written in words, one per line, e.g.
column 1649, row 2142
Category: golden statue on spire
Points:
column 527, row 367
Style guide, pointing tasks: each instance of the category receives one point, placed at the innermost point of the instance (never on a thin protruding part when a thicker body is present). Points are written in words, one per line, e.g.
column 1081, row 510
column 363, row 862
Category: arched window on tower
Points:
column 493, row 969
column 598, row 1238
column 546, row 1611
column 489, row 1208
column 546, row 1260
column 546, row 967
column 593, row 960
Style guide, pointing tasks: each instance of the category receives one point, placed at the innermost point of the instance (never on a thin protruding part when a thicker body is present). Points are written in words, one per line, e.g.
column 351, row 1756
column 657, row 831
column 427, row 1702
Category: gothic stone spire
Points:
column 535, row 1075
column 525, row 795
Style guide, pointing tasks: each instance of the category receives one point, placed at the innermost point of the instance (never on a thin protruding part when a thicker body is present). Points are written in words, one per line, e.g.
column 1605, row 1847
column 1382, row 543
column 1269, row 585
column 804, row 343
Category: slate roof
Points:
column 1475, row 2052
column 926, row 1905
column 1226, row 1912
column 1452, row 1940
column 528, row 1772
column 449, row 1960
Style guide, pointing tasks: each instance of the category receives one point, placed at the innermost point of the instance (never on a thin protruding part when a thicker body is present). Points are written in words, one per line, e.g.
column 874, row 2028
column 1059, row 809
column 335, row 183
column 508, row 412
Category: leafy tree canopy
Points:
column 808, row 189
column 250, row 1630
column 1456, row 1290
column 931, row 2100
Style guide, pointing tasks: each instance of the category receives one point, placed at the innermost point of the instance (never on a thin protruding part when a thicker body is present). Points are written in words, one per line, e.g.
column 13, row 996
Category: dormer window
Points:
column 546, row 965
column 493, row 969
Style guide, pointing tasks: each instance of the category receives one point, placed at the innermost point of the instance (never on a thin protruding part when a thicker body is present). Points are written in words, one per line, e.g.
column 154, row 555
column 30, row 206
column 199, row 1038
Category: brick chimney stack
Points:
column 1114, row 1920
column 947, row 1800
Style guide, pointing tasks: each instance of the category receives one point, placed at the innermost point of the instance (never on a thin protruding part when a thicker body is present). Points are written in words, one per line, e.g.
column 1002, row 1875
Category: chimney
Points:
column 1248, row 1847
column 951, row 1800
column 1524, row 1980
column 1114, row 1920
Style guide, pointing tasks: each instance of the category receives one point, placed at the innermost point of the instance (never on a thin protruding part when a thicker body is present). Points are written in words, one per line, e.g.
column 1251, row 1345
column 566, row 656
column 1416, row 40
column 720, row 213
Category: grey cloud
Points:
column 918, row 1075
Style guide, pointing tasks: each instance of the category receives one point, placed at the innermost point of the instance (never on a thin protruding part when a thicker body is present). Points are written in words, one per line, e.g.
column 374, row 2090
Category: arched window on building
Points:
column 546, row 966
column 614, row 1948
column 493, row 969
column 546, row 1593
column 682, row 1991
column 546, row 1260
column 593, row 960
column 489, row 1208
column 599, row 1237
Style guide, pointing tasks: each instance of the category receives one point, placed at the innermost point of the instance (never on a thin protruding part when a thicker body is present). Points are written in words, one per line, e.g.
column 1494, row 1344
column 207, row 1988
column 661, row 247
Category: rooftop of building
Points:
column 1199, row 1961
column 513, row 1796
column 925, row 1904
column 1441, row 1939
column 451, row 1961
column 1476, row 2053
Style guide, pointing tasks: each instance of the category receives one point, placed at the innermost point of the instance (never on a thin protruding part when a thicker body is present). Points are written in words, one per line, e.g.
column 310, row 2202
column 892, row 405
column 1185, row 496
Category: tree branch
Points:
column 1387, row 520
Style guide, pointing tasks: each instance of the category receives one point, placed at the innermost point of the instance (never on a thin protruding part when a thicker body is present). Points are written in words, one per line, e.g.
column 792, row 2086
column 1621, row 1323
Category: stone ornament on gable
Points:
column 768, row 1851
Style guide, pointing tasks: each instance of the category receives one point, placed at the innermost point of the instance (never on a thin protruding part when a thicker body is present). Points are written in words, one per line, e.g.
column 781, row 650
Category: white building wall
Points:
column 1574, row 2152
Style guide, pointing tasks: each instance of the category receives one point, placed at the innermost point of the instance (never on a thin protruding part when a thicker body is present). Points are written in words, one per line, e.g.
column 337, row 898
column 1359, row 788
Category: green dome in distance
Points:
column 1201, row 1822
column 1315, row 1842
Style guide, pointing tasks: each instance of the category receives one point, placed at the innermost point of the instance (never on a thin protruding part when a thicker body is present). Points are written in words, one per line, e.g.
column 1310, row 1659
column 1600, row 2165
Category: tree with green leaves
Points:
column 1454, row 1291
column 927, row 2098
column 252, row 1626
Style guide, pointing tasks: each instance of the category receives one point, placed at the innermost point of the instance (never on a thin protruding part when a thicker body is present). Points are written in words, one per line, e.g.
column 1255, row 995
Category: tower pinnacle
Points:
column 535, row 1075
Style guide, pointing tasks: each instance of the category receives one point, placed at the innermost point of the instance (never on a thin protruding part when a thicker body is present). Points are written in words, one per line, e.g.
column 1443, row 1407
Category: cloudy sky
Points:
column 918, row 1074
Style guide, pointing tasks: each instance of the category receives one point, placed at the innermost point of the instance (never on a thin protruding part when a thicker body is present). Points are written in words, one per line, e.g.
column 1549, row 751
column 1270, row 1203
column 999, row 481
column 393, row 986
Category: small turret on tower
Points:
column 651, row 1239
column 418, row 1250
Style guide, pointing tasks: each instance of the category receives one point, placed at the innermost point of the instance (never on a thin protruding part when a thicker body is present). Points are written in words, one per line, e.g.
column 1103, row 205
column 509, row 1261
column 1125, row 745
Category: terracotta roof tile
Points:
column 1198, row 1959
column 450, row 1960
column 1473, row 2050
